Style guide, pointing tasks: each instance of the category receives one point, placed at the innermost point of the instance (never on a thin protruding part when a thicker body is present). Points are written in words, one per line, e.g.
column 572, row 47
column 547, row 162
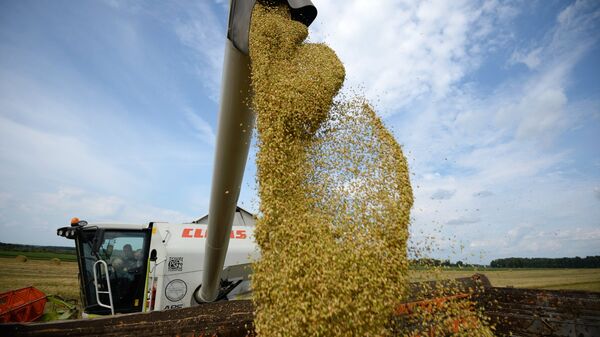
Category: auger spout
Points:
column 234, row 132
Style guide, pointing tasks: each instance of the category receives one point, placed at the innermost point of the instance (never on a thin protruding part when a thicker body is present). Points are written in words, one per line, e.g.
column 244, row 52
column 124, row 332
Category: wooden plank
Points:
column 533, row 312
column 226, row 319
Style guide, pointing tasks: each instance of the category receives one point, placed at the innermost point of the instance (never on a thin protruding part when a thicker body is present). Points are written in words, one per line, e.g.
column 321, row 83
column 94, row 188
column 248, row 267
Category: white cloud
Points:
column 464, row 220
column 524, row 111
column 90, row 120
column 125, row 5
column 57, row 157
column 522, row 210
column 507, row 162
column 535, row 242
column 43, row 212
column 442, row 194
column 519, row 231
column 483, row 194
column 530, row 59
column 505, row 141
column 205, row 131
column 223, row 3
column 104, row 208
column 203, row 32
column 403, row 51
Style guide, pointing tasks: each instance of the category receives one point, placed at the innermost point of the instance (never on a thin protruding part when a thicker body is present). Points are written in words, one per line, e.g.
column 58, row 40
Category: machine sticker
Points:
column 175, row 290
column 201, row 233
column 176, row 263
column 238, row 234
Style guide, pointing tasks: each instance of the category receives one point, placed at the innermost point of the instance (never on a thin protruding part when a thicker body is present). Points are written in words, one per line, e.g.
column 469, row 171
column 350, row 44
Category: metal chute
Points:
column 235, row 126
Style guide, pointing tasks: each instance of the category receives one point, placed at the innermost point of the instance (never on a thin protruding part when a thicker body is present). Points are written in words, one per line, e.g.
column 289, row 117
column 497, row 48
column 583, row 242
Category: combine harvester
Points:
column 162, row 279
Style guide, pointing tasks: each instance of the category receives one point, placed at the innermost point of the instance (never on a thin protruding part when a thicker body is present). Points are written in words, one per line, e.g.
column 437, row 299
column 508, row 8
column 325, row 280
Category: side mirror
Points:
column 98, row 238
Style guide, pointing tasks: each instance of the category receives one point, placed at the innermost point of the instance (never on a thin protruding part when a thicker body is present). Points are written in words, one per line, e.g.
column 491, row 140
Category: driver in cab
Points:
column 127, row 262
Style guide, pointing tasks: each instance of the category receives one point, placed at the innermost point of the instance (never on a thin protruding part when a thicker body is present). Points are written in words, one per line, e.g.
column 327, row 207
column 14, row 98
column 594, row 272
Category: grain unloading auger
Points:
column 146, row 267
column 236, row 121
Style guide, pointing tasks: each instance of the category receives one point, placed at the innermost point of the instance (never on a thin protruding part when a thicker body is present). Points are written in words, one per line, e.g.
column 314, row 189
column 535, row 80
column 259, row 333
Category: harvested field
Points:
column 555, row 279
column 43, row 274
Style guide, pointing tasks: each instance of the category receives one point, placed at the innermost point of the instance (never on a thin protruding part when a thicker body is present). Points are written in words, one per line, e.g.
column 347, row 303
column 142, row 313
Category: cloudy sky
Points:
column 108, row 112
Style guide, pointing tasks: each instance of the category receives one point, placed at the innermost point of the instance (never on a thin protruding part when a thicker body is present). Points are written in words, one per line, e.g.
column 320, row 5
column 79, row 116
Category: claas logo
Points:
column 201, row 233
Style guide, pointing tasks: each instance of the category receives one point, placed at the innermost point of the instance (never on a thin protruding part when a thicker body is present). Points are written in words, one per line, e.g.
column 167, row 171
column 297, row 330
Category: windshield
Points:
column 125, row 252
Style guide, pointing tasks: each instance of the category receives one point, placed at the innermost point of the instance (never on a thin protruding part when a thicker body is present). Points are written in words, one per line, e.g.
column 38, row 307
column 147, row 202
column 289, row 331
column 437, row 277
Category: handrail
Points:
column 98, row 292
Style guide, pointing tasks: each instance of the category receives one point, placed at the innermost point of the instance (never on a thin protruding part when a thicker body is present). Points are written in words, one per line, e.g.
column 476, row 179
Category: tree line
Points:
column 539, row 262
column 14, row 247
column 430, row 262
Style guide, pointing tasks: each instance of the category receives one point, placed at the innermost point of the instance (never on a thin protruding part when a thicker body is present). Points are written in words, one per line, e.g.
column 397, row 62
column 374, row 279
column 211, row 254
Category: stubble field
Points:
column 555, row 279
column 56, row 279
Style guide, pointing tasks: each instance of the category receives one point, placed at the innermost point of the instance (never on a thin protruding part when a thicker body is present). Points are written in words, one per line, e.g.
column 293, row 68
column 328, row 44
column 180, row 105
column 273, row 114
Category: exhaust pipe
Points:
column 235, row 126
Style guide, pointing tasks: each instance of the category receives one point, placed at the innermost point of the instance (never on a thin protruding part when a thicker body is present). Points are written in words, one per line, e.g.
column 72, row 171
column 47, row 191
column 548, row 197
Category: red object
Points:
column 22, row 305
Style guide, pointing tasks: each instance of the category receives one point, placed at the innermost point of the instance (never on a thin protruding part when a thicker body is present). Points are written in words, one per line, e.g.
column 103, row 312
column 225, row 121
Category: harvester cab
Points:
column 112, row 265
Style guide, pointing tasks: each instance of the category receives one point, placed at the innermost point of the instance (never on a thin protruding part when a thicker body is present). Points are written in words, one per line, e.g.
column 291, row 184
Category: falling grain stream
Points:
column 335, row 195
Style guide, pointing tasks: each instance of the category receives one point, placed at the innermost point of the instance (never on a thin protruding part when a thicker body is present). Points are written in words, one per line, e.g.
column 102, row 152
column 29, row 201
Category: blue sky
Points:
column 108, row 112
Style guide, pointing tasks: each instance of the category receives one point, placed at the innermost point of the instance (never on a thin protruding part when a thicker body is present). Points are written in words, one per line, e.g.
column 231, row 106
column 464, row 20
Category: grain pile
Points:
column 334, row 189
column 445, row 307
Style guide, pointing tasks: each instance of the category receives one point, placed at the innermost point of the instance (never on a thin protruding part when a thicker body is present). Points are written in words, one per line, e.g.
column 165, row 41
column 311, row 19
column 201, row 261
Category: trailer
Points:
column 513, row 312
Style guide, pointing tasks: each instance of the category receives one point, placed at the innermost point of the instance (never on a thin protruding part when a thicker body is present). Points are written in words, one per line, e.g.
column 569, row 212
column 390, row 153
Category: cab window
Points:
column 125, row 253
